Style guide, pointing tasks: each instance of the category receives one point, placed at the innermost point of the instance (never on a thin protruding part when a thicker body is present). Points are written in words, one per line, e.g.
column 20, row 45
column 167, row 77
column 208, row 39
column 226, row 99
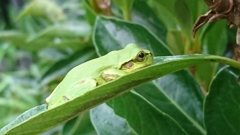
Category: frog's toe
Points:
column 65, row 98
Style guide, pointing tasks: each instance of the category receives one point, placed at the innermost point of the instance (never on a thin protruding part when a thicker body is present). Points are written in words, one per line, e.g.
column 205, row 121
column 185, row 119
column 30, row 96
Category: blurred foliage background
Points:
column 41, row 40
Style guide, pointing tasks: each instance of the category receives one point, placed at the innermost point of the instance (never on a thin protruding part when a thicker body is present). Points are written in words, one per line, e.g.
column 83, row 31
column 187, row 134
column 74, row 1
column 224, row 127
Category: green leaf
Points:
column 43, row 8
column 67, row 30
column 179, row 96
column 177, row 10
column 144, row 117
column 175, row 41
column 13, row 103
column 111, row 34
column 81, row 124
column 196, row 8
column 204, row 74
column 45, row 120
column 106, row 121
column 164, row 14
column 214, row 40
column 125, row 6
column 70, row 35
column 183, row 14
column 169, row 4
column 90, row 14
column 20, row 40
column 29, row 114
column 141, row 11
column 222, row 103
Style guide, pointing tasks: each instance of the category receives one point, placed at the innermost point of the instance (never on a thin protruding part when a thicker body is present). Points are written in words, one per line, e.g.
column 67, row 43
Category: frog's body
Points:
column 98, row 71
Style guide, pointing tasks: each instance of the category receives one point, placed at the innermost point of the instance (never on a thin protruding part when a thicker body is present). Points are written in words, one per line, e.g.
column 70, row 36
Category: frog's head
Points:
column 137, row 58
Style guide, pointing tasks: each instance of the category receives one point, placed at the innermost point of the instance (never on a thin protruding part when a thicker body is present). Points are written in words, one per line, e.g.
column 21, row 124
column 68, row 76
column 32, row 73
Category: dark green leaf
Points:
column 90, row 14
column 164, row 14
column 183, row 14
column 179, row 96
column 107, row 122
column 196, row 8
column 204, row 73
column 215, row 39
column 175, row 41
column 145, row 16
column 111, row 34
column 222, row 103
column 79, row 125
column 143, row 117
column 125, row 6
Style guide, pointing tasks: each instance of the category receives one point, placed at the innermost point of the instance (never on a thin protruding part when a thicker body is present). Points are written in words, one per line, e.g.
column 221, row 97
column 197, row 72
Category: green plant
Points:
column 172, row 104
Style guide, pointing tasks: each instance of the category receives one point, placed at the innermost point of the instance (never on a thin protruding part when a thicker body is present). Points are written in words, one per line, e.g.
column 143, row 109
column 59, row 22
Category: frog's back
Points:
column 93, row 69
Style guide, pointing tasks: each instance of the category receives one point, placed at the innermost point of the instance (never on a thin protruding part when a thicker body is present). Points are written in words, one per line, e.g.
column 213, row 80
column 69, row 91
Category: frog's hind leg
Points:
column 80, row 88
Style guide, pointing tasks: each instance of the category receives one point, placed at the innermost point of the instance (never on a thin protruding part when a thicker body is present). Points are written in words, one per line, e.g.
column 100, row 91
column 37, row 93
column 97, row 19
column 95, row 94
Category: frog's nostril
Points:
column 148, row 53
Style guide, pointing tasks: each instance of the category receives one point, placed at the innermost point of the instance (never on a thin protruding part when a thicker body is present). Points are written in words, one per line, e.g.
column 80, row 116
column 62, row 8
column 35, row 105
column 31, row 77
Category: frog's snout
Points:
column 148, row 53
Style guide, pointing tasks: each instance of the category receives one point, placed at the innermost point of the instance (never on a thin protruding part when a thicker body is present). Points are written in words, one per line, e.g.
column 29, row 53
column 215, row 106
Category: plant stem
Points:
column 227, row 61
column 126, row 14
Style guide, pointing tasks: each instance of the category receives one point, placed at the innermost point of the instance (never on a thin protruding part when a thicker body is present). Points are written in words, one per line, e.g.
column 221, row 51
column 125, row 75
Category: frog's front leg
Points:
column 112, row 74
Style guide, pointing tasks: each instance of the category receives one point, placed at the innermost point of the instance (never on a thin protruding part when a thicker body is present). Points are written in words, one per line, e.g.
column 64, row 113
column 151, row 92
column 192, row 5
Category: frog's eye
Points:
column 140, row 56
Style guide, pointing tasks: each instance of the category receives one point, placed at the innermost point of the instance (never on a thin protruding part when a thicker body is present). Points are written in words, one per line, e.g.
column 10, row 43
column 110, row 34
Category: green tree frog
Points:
column 93, row 73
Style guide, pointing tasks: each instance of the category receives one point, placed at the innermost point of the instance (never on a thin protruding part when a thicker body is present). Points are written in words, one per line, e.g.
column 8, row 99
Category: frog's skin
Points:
column 88, row 75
